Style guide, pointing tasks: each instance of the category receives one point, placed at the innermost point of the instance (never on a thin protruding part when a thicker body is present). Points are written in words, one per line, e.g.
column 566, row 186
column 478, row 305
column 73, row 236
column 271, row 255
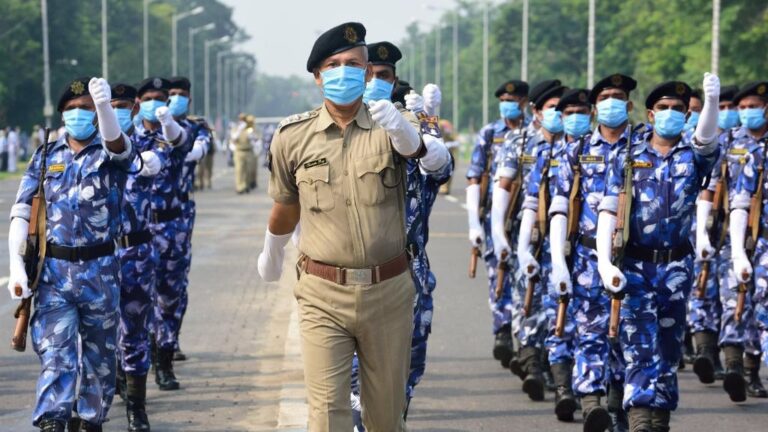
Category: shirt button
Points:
column 349, row 202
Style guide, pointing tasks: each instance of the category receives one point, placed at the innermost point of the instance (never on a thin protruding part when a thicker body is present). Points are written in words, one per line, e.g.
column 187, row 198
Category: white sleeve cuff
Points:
column 740, row 201
column 504, row 172
column 531, row 203
column 559, row 205
column 21, row 210
column 119, row 156
column 609, row 203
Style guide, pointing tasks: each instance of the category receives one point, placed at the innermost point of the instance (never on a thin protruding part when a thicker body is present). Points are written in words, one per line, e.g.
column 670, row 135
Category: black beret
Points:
column 75, row 89
column 384, row 53
column 123, row 91
column 542, row 87
column 401, row 89
column 573, row 97
column 759, row 88
column 152, row 83
column 340, row 38
column 619, row 81
column 728, row 92
column 513, row 87
column 696, row 93
column 179, row 82
column 554, row 92
column 669, row 89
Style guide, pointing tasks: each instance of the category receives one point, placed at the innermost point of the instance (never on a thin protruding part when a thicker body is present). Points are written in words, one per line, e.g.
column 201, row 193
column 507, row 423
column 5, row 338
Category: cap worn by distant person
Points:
column 179, row 82
column 759, row 88
column 574, row 97
column 123, row 91
column 75, row 89
column 728, row 92
column 338, row 39
column 552, row 92
column 384, row 53
column 543, row 87
column 152, row 84
column 513, row 87
column 669, row 90
column 619, row 81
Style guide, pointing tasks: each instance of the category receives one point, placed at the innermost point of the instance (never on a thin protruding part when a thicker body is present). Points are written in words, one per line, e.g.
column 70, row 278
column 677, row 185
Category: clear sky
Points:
column 283, row 31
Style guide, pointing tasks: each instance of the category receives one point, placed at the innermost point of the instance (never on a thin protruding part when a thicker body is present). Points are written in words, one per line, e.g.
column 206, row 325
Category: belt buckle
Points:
column 359, row 276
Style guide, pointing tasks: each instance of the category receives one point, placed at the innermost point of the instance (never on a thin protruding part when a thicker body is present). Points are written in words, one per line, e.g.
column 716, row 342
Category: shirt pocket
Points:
column 376, row 174
column 648, row 196
column 684, row 182
column 315, row 191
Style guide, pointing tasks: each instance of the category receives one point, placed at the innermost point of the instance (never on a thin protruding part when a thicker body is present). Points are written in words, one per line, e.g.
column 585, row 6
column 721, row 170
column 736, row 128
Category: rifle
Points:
column 621, row 235
column 562, row 309
column 34, row 254
column 540, row 232
column 514, row 194
column 473, row 261
column 483, row 208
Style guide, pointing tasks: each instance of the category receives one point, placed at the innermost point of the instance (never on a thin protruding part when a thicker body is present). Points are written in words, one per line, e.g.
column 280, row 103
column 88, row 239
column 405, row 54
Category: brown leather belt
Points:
column 347, row 276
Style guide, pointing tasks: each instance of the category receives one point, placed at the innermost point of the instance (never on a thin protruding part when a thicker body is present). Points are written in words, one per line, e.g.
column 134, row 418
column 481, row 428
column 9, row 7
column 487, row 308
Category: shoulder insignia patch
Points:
column 296, row 118
column 56, row 168
column 642, row 164
column 593, row 159
column 317, row 162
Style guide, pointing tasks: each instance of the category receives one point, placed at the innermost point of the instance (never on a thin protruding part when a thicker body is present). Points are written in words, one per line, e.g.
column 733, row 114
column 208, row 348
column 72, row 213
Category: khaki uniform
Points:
column 351, row 188
column 244, row 160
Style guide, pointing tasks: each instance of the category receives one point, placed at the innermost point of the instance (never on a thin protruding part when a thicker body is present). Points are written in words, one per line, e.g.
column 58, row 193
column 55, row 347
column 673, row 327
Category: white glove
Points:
column 738, row 233
column 17, row 235
column 296, row 237
column 706, row 129
column 171, row 129
column 437, row 156
column 606, row 225
column 432, row 99
column 270, row 264
column 476, row 232
column 414, row 102
column 102, row 97
column 704, row 249
column 501, row 198
column 405, row 138
column 561, row 277
column 152, row 164
column 528, row 263
column 197, row 152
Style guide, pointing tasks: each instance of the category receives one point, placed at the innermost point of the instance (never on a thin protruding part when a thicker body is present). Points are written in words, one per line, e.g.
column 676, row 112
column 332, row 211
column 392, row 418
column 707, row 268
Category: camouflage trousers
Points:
column 704, row 313
column 760, row 301
column 532, row 329
column 170, row 243
column 500, row 308
column 652, row 330
column 745, row 332
column 137, row 302
column 76, row 300
column 190, row 213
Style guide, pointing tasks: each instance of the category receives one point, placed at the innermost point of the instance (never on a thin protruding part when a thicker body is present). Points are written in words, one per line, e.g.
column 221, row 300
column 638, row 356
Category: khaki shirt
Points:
column 350, row 185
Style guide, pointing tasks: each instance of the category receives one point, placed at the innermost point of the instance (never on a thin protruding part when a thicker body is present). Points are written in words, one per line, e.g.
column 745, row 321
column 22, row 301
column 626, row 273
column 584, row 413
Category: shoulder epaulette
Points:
column 297, row 118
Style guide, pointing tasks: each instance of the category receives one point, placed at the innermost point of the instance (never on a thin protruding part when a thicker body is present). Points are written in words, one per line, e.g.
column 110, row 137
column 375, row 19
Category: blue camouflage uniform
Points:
column 137, row 261
column 752, row 332
column 665, row 189
column 76, row 298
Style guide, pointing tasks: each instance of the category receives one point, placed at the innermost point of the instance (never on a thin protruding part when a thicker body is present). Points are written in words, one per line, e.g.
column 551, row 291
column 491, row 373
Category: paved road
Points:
column 244, row 371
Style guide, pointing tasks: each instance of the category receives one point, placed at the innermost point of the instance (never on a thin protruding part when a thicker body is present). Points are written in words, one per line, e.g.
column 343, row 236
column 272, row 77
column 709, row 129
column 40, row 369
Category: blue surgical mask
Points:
column 344, row 84
column 552, row 120
column 752, row 118
column 612, row 112
column 378, row 89
column 124, row 118
column 510, row 110
column 668, row 123
column 692, row 121
column 179, row 105
column 727, row 119
column 576, row 125
column 147, row 110
column 79, row 123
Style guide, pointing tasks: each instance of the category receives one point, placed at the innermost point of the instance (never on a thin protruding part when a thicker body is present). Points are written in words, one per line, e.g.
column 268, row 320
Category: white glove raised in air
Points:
column 500, row 203
column 17, row 235
column 152, row 164
column 528, row 264
column 414, row 102
column 704, row 249
column 437, row 156
column 101, row 94
column 706, row 129
column 404, row 136
column 433, row 97
column 171, row 129
column 609, row 273
column 476, row 232
column 197, row 152
column 558, row 233
column 270, row 263
column 738, row 231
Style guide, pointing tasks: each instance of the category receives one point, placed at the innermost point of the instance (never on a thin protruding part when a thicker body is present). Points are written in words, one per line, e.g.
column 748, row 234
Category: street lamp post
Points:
column 455, row 70
column 485, row 63
column 174, row 34
column 437, row 53
column 207, row 72
column 221, row 96
column 104, row 55
column 591, row 46
column 715, row 36
column 191, row 46
column 48, row 107
column 146, row 37
column 524, row 55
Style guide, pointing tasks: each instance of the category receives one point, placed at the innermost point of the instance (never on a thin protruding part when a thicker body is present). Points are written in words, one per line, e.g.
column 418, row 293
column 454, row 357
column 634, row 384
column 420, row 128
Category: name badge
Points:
column 593, row 159
column 738, row 151
column 554, row 163
column 56, row 168
column 498, row 140
column 642, row 164
column 529, row 159
column 315, row 163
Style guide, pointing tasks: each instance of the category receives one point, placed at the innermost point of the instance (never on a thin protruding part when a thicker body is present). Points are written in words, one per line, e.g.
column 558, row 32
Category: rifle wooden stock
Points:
column 741, row 298
column 484, row 179
column 22, row 315
column 701, row 282
column 473, row 262
column 528, row 302
column 501, row 273
column 562, row 309
column 615, row 318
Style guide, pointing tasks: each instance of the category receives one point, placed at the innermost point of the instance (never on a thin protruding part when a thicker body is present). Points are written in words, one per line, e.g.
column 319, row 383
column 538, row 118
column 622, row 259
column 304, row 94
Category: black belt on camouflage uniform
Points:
column 166, row 215
column 79, row 253
column 135, row 239
column 658, row 256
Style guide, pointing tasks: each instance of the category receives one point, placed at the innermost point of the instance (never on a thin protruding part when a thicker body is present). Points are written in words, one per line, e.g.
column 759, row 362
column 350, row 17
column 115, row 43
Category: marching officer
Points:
column 78, row 294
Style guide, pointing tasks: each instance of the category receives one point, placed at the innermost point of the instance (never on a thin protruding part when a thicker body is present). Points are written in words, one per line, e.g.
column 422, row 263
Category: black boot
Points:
column 614, row 404
column 719, row 369
column 704, row 364
column 565, row 401
column 90, row 427
column 164, row 376
column 755, row 387
column 502, row 346
column 688, row 354
column 596, row 417
column 178, row 355
column 136, row 397
column 515, row 366
column 533, row 384
column 660, row 420
column 50, row 425
column 152, row 352
column 640, row 419
column 546, row 371
column 120, row 381
column 74, row 424
column 734, row 382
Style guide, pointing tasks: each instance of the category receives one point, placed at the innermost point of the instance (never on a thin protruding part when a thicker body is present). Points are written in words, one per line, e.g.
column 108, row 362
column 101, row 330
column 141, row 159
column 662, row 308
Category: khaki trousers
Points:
column 243, row 160
column 205, row 171
column 374, row 320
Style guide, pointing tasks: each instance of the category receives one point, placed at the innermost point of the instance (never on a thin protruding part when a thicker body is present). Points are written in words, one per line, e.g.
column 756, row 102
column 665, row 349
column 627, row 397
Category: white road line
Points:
column 292, row 416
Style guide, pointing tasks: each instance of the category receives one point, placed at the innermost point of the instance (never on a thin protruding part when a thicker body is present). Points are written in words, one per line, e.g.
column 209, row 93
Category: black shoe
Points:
column 619, row 421
column 596, row 419
column 90, row 427
column 565, row 404
column 136, row 396
column 502, row 346
column 704, row 364
column 660, row 420
column 719, row 370
column 50, row 425
column 164, row 376
column 120, row 382
column 178, row 355
column 549, row 381
column 688, row 354
column 734, row 383
column 755, row 387
column 517, row 368
column 533, row 385
column 74, row 424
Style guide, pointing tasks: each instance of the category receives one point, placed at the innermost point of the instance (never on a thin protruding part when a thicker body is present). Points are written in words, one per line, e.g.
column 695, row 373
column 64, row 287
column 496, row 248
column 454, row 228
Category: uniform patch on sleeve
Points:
column 592, row 159
column 738, row 151
column 56, row 168
column 315, row 163
column 498, row 140
column 642, row 164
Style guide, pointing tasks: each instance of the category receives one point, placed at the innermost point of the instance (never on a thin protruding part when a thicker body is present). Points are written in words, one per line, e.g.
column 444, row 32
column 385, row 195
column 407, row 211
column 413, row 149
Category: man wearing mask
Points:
column 728, row 116
column 513, row 98
column 78, row 292
column 339, row 170
column 656, row 271
column 694, row 111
